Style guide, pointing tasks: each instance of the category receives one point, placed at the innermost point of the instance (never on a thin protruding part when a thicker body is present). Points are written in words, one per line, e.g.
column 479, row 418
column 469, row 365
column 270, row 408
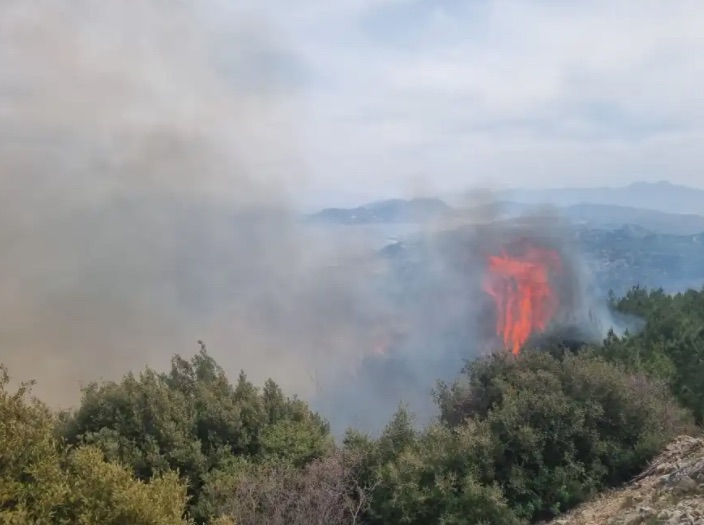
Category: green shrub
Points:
column 102, row 492
column 670, row 346
column 42, row 483
column 191, row 420
column 550, row 432
column 424, row 477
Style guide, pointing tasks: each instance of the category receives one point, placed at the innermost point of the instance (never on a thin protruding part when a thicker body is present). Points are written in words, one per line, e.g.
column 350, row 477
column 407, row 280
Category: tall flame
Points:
column 525, row 300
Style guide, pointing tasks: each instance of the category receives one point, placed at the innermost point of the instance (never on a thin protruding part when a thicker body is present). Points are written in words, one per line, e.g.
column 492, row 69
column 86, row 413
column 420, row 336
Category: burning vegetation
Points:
column 525, row 299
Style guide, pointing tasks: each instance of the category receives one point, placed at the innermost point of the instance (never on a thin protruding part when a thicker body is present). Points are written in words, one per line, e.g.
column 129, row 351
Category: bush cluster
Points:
column 671, row 344
column 518, row 439
column 44, row 482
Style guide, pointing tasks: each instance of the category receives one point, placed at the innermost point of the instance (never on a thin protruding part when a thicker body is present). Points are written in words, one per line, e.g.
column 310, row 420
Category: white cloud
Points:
column 545, row 92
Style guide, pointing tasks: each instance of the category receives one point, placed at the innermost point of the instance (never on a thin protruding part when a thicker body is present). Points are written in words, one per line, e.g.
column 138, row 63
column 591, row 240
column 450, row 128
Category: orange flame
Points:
column 520, row 286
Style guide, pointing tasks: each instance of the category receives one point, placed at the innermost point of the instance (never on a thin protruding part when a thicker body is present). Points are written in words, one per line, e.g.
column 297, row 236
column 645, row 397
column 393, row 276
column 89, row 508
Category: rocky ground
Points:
column 669, row 492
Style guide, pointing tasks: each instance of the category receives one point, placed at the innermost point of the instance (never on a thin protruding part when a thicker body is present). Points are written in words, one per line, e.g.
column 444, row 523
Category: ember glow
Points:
column 521, row 289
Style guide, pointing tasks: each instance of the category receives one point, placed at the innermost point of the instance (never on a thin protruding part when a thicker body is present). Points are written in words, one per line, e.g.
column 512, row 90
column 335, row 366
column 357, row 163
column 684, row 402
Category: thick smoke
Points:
column 147, row 161
column 144, row 185
column 445, row 317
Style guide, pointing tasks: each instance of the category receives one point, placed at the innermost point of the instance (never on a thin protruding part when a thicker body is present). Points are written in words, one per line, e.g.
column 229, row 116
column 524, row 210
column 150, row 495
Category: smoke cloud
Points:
column 583, row 314
column 148, row 157
column 145, row 175
column 444, row 316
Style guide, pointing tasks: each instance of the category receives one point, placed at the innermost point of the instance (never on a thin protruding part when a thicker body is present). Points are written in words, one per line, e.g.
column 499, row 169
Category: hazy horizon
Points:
column 332, row 199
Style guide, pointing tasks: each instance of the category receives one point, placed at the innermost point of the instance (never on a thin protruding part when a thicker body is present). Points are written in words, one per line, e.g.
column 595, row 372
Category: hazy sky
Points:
column 442, row 94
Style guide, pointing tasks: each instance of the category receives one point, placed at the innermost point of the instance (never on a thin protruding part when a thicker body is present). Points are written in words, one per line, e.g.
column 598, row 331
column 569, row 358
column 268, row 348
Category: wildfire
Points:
column 525, row 300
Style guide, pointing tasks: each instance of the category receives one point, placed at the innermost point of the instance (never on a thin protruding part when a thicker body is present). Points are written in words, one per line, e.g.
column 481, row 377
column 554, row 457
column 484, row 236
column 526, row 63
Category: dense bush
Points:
column 670, row 346
column 552, row 431
column 325, row 492
column 427, row 477
column 42, row 482
column 519, row 438
column 192, row 420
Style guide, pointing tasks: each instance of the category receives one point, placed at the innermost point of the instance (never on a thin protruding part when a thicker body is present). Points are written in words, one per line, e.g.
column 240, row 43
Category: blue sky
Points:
column 417, row 95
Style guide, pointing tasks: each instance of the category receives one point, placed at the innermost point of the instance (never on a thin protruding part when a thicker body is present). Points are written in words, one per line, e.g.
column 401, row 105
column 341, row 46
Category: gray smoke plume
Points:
column 445, row 316
column 582, row 314
column 147, row 159
column 145, row 174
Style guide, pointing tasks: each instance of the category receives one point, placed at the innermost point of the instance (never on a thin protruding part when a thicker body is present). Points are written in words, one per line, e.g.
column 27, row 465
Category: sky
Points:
column 413, row 96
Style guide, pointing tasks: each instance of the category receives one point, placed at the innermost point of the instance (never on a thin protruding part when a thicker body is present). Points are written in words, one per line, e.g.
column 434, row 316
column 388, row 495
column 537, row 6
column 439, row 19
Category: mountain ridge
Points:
column 595, row 214
column 661, row 196
column 384, row 211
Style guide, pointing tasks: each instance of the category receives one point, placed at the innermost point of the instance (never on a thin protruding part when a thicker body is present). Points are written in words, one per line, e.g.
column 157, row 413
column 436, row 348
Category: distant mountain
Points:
column 386, row 211
column 604, row 216
column 607, row 217
column 595, row 215
column 659, row 196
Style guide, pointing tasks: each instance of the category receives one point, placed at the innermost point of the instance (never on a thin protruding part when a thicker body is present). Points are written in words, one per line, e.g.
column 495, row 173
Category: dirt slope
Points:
column 670, row 492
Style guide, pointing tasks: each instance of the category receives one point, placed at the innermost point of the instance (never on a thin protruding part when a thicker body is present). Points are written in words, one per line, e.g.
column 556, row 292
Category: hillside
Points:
column 670, row 491
column 618, row 258
column 629, row 256
column 608, row 216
